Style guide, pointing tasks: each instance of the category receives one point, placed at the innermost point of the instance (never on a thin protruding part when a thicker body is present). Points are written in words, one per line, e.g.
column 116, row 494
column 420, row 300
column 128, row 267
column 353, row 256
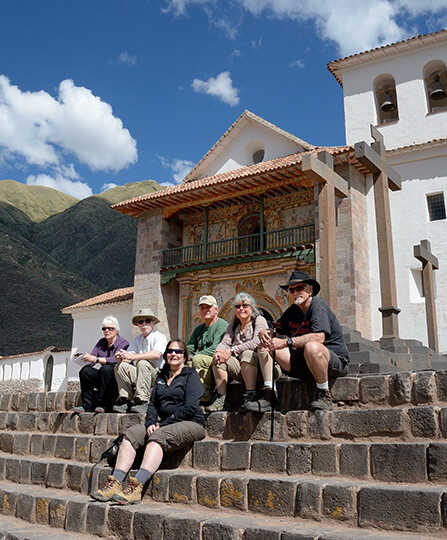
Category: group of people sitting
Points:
column 188, row 378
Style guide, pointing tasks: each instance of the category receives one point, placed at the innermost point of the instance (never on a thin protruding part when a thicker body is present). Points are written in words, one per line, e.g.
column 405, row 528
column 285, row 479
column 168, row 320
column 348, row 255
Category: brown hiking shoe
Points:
column 132, row 494
column 322, row 400
column 112, row 487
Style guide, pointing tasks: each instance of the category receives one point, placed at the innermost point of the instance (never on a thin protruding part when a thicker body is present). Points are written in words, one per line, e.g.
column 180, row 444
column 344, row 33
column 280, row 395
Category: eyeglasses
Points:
column 109, row 328
column 176, row 351
column 240, row 306
column 297, row 288
column 142, row 321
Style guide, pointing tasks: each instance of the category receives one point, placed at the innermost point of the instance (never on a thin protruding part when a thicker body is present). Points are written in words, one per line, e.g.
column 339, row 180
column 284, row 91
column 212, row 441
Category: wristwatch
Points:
column 290, row 343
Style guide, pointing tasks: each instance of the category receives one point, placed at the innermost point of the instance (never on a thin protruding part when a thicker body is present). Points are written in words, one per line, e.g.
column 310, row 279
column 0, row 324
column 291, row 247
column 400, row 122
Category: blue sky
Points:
column 106, row 92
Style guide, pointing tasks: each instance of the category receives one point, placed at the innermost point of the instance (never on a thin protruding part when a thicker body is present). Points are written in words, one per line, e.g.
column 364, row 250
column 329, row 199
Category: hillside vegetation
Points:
column 82, row 250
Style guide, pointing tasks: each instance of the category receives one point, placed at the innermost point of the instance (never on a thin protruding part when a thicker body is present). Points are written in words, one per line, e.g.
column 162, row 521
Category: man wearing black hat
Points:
column 313, row 348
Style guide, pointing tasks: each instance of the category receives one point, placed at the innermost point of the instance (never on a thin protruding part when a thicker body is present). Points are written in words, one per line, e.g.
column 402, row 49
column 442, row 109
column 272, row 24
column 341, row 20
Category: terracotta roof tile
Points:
column 234, row 175
column 111, row 297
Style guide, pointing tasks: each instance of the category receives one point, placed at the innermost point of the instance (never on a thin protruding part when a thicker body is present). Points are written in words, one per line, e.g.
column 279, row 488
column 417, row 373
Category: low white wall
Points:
column 32, row 366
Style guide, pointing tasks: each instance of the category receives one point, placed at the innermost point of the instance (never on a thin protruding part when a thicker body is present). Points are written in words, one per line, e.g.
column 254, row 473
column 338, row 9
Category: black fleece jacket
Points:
column 178, row 401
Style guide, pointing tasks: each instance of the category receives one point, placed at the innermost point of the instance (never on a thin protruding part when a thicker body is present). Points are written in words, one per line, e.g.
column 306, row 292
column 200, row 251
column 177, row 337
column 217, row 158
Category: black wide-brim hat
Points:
column 302, row 277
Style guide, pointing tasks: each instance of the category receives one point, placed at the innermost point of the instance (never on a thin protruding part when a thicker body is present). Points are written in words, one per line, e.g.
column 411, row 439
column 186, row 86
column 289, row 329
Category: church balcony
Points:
column 260, row 244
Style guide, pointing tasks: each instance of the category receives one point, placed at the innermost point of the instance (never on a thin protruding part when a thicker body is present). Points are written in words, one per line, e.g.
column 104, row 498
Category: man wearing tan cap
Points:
column 137, row 367
column 203, row 342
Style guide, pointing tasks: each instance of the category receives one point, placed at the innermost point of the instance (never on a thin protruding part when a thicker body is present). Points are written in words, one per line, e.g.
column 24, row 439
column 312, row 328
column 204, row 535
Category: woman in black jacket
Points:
column 174, row 420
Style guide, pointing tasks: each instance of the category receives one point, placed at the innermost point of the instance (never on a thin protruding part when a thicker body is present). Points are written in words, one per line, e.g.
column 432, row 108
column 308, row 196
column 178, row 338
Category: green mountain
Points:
column 81, row 251
column 37, row 202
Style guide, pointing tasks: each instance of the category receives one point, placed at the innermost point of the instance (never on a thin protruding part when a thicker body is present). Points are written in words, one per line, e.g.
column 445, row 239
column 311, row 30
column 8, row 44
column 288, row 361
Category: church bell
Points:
column 387, row 103
column 437, row 91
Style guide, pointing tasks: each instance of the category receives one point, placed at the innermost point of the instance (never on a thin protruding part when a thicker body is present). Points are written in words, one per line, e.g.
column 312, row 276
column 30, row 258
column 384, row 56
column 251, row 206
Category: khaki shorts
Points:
column 171, row 437
column 233, row 366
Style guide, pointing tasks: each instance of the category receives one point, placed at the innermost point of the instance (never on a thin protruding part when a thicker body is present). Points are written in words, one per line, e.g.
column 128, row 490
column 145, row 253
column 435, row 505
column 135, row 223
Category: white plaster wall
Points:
column 414, row 125
column 87, row 329
column 239, row 152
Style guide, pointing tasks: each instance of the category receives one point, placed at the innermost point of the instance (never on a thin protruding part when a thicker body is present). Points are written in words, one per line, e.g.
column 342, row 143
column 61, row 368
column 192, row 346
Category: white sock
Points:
column 323, row 385
column 268, row 384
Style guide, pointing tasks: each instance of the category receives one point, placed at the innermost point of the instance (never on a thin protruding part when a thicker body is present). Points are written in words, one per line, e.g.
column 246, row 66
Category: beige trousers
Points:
column 135, row 381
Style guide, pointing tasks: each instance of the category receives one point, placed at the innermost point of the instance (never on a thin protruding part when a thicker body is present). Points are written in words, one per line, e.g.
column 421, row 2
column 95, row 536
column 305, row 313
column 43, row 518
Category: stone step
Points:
column 381, row 424
column 404, row 387
column 386, row 462
column 12, row 528
column 416, row 511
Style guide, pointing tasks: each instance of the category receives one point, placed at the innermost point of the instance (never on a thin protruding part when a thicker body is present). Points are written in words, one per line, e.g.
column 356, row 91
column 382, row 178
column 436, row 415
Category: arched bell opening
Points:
column 386, row 99
column 435, row 81
column 48, row 373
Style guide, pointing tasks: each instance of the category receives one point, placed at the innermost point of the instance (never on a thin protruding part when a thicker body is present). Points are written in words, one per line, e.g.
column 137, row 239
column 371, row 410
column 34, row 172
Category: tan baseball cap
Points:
column 208, row 300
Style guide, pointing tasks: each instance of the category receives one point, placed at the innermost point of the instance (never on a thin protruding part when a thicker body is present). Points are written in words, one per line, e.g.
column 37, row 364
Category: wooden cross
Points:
column 423, row 253
column 385, row 178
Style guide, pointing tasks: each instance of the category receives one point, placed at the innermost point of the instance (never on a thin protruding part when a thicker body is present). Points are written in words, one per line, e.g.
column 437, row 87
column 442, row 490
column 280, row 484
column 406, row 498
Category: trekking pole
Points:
column 272, row 395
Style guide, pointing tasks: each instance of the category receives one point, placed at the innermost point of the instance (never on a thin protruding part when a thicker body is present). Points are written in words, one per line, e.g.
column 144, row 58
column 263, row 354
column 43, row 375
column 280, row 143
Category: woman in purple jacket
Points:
column 99, row 372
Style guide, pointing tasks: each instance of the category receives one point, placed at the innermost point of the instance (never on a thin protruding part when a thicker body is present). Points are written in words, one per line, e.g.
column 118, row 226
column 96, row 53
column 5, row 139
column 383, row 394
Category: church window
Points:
column 258, row 156
column 435, row 80
column 436, row 206
column 386, row 99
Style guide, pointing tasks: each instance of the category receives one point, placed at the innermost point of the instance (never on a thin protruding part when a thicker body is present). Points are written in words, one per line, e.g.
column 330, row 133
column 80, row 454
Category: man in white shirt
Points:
column 137, row 367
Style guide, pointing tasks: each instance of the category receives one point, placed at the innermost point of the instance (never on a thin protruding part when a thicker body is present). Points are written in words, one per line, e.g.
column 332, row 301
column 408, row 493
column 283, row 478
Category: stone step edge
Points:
column 417, row 387
column 79, row 513
column 409, row 422
column 419, row 463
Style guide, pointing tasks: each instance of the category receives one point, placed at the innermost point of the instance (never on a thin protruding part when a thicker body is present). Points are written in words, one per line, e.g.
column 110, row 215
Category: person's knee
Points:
column 249, row 357
column 315, row 351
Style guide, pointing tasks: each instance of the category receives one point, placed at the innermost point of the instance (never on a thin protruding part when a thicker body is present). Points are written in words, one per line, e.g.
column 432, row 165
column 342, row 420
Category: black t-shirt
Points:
column 318, row 318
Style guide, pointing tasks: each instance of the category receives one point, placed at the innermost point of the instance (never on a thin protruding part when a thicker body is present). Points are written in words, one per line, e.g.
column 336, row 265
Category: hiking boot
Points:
column 322, row 401
column 112, row 487
column 141, row 408
column 247, row 396
column 121, row 407
column 132, row 494
column 79, row 409
column 264, row 403
column 217, row 405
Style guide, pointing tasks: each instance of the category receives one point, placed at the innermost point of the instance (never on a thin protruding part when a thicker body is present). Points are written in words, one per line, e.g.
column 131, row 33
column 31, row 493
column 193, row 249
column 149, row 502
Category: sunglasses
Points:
column 297, row 288
column 110, row 328
column 142, row 321
column 176, row 351
column 239, row 306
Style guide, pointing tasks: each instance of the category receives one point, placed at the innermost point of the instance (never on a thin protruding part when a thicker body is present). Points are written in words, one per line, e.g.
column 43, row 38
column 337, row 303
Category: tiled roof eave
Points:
column 191, row 193
column 392, row 49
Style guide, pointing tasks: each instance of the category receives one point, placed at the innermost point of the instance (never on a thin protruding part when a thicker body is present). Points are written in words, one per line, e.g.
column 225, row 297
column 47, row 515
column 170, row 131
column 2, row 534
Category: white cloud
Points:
column 220, row 87
column 180, row 168
column 77, row 189
column 354, row 26
column 297, row 64
column 178, row 7
column 43, row 129
column 127, row 59
column 108, row 185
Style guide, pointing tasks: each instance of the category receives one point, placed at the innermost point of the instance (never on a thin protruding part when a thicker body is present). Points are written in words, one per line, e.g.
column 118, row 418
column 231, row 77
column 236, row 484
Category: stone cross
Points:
column 423, row 253
column 385, row 178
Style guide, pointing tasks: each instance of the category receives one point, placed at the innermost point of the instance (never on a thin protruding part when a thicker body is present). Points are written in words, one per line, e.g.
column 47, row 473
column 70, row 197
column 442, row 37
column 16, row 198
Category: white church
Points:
column 400, row 89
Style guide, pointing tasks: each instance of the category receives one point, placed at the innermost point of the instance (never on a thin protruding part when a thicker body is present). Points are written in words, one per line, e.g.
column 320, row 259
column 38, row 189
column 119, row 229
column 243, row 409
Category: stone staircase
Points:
column 374, row 467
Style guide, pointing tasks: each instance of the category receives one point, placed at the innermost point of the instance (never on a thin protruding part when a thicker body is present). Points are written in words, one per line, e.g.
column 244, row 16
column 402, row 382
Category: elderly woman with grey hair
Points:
column 99, row 372
column 236, row 355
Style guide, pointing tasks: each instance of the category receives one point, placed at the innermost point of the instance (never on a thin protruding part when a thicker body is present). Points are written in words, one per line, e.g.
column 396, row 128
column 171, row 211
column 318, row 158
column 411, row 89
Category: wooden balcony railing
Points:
column 239, row 246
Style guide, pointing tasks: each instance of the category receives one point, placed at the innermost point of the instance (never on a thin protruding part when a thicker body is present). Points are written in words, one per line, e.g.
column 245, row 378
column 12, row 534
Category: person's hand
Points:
column 89, row 358
column 277, row 343
column 150, row 429
column 265, row 337
column 221, row 357
column 123, row 356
